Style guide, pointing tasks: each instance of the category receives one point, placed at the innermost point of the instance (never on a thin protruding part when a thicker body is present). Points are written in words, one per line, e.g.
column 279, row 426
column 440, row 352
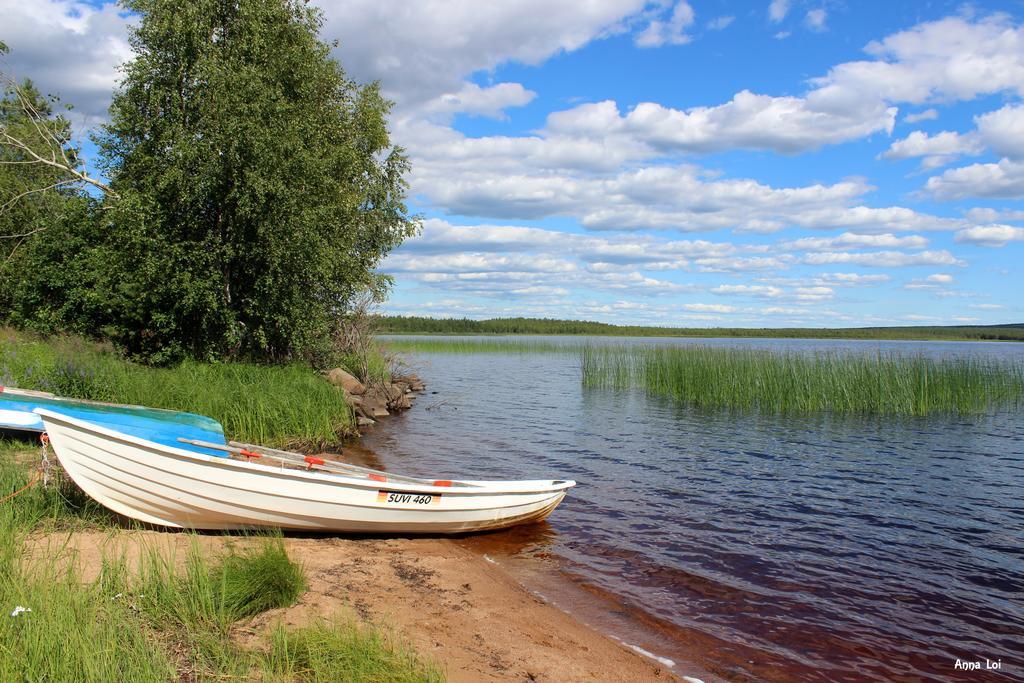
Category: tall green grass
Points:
column 786, row 382
column 288, row 406
column 73, row 631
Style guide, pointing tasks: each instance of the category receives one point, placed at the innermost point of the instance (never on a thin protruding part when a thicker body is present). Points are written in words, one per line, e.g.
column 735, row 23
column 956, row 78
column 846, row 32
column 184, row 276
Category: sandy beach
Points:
column 454, row 606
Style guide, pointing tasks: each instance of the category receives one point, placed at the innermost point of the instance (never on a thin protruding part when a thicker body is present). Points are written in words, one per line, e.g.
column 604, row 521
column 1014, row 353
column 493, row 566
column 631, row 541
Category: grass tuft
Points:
column 328, row 651
column 240, row 584
column 261, row 579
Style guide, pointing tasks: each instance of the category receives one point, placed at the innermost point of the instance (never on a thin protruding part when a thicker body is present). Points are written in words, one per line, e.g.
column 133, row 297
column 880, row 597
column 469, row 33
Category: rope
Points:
column 42, row 471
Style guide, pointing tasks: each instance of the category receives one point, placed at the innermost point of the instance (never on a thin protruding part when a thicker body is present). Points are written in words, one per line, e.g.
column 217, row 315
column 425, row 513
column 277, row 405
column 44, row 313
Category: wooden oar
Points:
column 308, row 461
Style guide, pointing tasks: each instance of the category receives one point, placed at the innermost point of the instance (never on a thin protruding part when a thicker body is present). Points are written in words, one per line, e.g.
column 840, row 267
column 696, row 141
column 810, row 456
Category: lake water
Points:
column 818, row 548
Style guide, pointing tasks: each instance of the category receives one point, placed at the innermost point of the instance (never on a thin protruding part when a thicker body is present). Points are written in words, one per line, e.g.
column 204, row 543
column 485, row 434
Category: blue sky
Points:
column 700, row 163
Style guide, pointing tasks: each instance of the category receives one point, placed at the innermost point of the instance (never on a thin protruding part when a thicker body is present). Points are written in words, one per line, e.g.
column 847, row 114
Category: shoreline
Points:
column 462, row 610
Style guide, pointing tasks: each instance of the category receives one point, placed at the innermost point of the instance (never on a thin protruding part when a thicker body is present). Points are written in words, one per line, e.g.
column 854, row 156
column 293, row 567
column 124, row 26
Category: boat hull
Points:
column 173, row 487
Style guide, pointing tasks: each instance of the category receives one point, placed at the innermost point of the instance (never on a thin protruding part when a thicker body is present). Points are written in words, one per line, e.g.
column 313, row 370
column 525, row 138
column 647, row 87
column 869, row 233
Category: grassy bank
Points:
column 776, row 382
column 151, row 617
column 419, row 325
column 273, row 405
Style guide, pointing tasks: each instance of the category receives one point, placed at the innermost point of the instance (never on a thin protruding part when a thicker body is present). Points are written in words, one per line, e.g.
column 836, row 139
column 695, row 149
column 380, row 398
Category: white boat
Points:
column 176, row 487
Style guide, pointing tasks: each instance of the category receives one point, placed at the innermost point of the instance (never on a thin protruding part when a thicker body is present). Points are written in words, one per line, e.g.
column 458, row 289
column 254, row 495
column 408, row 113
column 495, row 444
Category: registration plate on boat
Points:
column 400, row 498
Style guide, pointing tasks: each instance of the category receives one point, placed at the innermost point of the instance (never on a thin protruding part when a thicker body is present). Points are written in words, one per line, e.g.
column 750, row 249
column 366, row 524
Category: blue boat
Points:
column 153, row 424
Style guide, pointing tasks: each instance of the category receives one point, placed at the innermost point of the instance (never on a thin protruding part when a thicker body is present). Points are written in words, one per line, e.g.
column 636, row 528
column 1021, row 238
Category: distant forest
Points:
column 418, row 325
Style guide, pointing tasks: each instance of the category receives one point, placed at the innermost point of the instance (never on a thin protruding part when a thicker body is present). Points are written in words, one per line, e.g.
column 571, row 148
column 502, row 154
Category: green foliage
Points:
column 45, row 225
column 284, row 405
column 258, row 186
column 417, row 325
column 337, row 651
column 775, row 382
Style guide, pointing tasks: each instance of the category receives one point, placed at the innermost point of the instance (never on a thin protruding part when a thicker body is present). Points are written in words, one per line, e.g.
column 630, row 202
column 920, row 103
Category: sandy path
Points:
column 455, row 607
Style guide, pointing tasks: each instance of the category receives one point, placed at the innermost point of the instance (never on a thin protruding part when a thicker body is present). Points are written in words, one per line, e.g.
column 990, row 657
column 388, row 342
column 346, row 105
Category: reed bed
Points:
column 787, row 382
column 288, row 406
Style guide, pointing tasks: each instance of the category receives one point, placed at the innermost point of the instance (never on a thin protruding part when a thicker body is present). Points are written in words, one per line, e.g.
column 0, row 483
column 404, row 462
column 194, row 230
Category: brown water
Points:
column 811, row 548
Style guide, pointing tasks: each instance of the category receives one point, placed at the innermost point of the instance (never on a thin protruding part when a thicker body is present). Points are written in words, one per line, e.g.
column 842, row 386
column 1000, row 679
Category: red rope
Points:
column 31, row 482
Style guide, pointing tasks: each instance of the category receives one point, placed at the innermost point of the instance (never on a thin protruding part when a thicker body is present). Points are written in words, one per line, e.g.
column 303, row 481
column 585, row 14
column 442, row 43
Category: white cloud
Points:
column 986, row 307
column 421, row 50
column 885, row 259
column 926, row 115
column 718, row 264
column 813, row 293
column 938, row 149
column 1004, row 180
column 710, row 308
column 1003, row 130
column 986, row 214
column 720, row 23
column 670, row 31
column 777, row 10
column 949, row 59
column 491, row 101
column 936, row 282
column 849, row 240
column 851, row 279
column 785, row 124
column 765, row 291
column 815, row 20
column 990, row 235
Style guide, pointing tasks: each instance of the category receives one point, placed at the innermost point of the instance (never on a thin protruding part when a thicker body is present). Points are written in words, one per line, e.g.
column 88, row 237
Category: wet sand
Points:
column 456, row 607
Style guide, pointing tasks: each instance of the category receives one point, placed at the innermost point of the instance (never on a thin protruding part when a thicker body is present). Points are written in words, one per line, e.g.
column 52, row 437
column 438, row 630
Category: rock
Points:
column 379, row 412
column 365, row 421
column 395, row 393
column 340, row 378
column 411, row 382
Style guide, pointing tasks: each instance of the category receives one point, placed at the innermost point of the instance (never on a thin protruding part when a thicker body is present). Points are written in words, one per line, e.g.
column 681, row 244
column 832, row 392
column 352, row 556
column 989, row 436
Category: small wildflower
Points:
column 20, row 610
